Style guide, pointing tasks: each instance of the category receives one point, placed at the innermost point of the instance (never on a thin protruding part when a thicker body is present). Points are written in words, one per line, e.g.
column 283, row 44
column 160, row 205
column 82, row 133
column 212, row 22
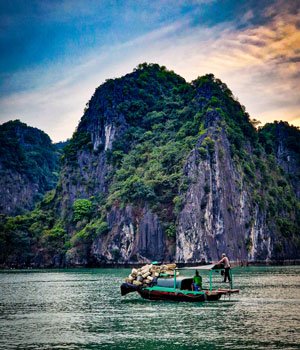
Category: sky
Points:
column 55, row 53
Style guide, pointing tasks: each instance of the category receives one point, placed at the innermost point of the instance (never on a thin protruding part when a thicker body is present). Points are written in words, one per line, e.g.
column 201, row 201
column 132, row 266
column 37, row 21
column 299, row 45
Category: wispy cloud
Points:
column 58, row 95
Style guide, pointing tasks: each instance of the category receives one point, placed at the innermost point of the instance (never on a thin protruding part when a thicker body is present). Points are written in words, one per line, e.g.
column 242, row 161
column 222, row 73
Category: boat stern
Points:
column 128, row 288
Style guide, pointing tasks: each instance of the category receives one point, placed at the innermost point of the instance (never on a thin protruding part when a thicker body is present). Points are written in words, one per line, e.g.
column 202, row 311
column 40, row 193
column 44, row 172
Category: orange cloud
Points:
column 261, row 64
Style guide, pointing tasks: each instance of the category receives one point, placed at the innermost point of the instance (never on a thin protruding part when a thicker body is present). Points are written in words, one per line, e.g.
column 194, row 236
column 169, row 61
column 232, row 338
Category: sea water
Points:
column 83, row 309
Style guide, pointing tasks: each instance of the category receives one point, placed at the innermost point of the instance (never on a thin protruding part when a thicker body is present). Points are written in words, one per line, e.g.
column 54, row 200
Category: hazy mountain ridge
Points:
column 282, row 139
column 29, row 165
column 162, row 169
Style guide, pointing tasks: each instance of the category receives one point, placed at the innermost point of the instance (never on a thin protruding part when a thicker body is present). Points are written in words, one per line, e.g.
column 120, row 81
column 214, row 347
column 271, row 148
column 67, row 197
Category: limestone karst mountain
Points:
column 162, row 169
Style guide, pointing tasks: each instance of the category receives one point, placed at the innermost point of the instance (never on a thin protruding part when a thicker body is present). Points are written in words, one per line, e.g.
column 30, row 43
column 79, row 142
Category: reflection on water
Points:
column 83, row 309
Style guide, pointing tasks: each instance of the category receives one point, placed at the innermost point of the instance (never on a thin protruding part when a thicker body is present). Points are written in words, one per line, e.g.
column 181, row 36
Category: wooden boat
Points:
column 180, row 288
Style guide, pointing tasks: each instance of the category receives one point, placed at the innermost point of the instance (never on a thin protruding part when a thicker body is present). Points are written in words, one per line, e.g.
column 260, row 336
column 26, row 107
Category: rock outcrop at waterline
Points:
column 161, row 169
column 135, row 235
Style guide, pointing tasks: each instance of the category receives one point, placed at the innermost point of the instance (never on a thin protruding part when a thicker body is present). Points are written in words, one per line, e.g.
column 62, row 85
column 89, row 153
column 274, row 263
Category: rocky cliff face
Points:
column 209, row 222
column 160, row 169
column 219, row 213
column 28, row 166
column 85, row 169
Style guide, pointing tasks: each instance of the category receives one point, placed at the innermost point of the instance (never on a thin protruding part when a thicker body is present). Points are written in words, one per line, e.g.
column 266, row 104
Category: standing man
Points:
column 226, row 263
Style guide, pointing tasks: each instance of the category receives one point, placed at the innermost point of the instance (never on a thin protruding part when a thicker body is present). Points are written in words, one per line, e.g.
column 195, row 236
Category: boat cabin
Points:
column 182, row 283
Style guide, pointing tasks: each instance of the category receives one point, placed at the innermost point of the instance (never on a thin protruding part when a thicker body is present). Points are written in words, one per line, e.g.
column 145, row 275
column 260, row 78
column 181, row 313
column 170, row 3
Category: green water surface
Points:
column 83, row 309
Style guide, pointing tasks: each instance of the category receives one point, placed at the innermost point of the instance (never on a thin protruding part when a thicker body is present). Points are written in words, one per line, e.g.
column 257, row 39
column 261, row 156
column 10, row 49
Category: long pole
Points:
column 175, row 279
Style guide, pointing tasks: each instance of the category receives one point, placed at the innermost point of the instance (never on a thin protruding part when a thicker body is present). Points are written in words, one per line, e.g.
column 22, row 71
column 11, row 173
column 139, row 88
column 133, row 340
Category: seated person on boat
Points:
column 197, row 282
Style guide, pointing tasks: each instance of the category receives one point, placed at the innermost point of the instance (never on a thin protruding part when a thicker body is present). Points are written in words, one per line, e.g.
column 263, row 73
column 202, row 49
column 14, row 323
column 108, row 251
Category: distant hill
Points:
column 283, row 141
column 29, row 165
column 162, row 169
